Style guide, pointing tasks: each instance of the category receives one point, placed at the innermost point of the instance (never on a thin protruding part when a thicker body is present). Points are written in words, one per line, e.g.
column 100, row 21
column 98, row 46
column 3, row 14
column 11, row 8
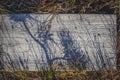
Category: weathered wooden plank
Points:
column 37, row 41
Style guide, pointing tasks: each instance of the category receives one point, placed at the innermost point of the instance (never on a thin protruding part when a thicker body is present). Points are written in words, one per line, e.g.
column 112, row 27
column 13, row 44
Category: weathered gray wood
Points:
column 90, row 38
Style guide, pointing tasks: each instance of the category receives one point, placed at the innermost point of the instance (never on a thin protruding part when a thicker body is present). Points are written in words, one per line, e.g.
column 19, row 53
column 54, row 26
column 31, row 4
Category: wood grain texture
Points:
column 70, row 41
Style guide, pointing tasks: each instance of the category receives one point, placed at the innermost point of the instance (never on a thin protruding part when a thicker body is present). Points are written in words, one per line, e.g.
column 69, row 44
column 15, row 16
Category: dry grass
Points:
column 58, row 6
column 80, row 75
